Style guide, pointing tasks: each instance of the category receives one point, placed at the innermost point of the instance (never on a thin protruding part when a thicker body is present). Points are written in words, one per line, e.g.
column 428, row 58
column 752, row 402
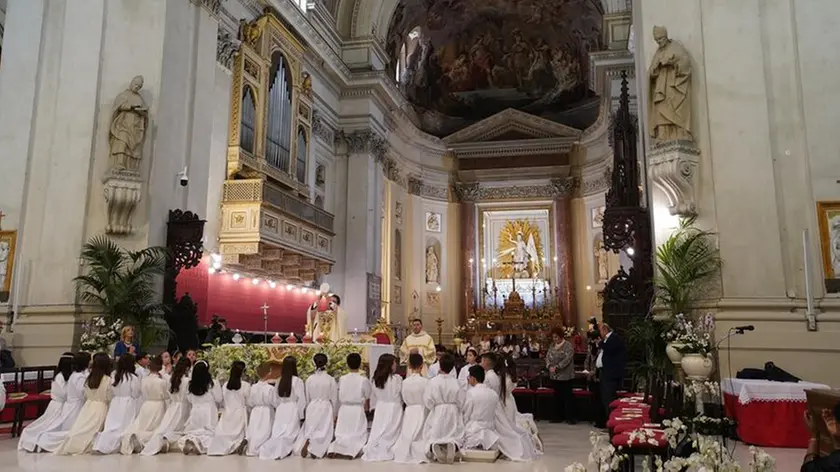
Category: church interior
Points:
column 254, row 179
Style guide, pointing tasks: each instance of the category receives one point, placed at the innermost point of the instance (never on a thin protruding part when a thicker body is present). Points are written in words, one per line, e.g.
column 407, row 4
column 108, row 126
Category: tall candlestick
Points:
column 809, row 296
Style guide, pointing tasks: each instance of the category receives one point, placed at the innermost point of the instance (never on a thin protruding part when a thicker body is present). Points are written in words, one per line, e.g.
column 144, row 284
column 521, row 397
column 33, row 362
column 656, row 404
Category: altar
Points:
column 255, row 355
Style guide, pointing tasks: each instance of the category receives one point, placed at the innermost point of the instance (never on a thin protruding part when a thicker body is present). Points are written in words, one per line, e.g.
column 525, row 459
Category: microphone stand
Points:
column 721, row 404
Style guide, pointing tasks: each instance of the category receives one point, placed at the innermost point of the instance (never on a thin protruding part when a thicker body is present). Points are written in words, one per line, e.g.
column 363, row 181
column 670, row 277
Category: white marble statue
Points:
column 601, row 261
column 669, row 105
column 523, row 253
column 432, row 267
column 128, row 127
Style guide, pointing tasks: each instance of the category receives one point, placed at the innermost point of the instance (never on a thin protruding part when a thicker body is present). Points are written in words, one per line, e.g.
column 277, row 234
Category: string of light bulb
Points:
column 216, row 268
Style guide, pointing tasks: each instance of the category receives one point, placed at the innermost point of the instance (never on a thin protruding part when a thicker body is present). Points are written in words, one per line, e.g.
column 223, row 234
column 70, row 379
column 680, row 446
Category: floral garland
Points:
column 98, row 335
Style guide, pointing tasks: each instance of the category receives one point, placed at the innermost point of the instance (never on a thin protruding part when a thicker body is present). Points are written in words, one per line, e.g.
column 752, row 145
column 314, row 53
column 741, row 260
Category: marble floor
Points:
column 564, row 445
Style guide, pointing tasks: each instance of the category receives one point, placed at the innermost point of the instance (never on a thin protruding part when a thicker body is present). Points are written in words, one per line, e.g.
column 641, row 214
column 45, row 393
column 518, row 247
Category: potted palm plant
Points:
column 686, row 263
column 123, row 286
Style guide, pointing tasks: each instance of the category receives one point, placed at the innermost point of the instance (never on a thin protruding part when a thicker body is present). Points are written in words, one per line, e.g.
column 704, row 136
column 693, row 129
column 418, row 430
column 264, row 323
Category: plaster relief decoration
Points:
column 601, row 261
column 127, row 133
column 432, row 265
column 433, row 299
column 460, row 61
column 598, row 216
column 227, row 46
column 516, row 250
column 674, row 157
column 397, row 295
column 398, row 213
column 474, row 192
column 433, row 222
column 828, row 215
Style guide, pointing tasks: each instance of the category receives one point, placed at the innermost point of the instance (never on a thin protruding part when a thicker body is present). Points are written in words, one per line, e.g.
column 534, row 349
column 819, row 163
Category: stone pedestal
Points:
column 123, row 191
column 673, row 168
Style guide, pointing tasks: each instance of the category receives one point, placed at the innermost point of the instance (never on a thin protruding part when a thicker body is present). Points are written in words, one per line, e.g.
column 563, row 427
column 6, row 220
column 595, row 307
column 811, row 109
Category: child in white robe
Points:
column 98, row 393
column 204, row 397
column 434, row 369
column 262, row 400
column 290, row 398
column 322, row 393
column 122, row 409
column 386, row 402
column 464, row 373
column 525, row 421
column 409, row 447
column 171, row 428
column 229, row 437
column 154, row 390
column 514, row 443
column 52, row 415
column 51, row 437
column 351, row 427
column 142, row 367
column 480, row 413
column 444, row 428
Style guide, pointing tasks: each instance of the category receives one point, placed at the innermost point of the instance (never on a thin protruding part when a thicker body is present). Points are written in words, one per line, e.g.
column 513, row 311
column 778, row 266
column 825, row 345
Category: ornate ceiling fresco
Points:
column 475, row 58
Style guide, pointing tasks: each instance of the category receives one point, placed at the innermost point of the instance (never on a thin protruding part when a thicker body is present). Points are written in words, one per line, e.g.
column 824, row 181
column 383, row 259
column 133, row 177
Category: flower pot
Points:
column 673, row 352
column 697, row 366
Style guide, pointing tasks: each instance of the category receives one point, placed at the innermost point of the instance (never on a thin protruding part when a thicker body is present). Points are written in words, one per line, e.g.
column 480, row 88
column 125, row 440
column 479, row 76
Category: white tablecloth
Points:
column 748, row 390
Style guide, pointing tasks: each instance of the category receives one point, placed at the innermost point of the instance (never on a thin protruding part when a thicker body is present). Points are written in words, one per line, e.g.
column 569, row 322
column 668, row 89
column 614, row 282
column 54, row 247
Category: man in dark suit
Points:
column 611, row 364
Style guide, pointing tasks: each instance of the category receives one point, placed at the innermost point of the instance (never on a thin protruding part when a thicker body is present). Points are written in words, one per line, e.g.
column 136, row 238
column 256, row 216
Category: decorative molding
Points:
column 368, row 141
column 466, row 191
column 474, row 192
column 599, row 183
column 321, row 129
column 508, row 121
column 123, row 191
column 416, row 186
column 212, row 6
column 672, row 167
column 227, row 46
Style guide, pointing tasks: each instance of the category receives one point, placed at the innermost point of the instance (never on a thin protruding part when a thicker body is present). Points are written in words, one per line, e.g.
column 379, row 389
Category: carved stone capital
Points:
column 672, row 167
column 212, row 6
column 227, row 46
column 467, row 191
column 563, row 187
column 123, row 191
column 359, row 142
column 416, row 186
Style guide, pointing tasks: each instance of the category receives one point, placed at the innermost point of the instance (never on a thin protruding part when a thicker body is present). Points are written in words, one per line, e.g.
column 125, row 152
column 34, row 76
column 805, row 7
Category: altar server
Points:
column 464, row 373
column 409, row 447
column 52, row 417
column 204, row 397
column 444, row 428
column 386, row 401
column 123, row 407
column 290, row 398
column 171, row 427
column 322, row 393
column 154, row 391
column 514, row 443
column 351, row 427
column 480, row 413
column 262, row 400
column 50, row 439
column 229, row 437
column 98, row 393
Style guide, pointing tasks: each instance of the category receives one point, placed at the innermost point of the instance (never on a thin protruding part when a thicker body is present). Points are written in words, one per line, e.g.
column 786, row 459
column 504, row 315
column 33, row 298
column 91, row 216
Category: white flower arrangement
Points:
column 761, row 461
column 693, row 337
column 576, row 467
column 604, row 455
column 569, row 331
column 459, row 331
column 98, row 335
column 694, row 389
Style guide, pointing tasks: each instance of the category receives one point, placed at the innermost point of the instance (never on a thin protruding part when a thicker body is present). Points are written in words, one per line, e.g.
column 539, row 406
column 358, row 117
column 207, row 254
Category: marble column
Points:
column 468, row 260
column 564, row 280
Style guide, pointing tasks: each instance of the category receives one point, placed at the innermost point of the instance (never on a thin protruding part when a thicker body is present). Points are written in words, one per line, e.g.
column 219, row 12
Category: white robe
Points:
column 203, row 419
column 480, row 418
column 444, row 399
column 171, row 427
column 351, row 428
column 387, row 417
column 49, row 420
column 285, row 431
column 514, row 443
column 89, row 422
column 50, row 439
column 230, row 432
column 322, row 393
column 525, row 421
column 262, row 400
column 155, row 393
column 409, row 448
column 434, row 369
column 121, row 413
column 463, row 376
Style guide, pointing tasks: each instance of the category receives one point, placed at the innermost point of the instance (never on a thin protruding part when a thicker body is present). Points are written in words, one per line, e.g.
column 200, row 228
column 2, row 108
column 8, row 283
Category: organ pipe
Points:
column 278, row 137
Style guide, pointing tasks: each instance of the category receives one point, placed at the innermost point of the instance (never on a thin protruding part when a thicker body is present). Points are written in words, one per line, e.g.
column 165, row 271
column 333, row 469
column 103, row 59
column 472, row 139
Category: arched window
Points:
column 247, row 123
column 300, row 165
column 278, row 132
column 408, row 48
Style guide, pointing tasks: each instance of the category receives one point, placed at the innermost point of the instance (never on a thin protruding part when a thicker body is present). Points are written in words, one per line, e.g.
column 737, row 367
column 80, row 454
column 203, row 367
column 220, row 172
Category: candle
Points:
column 809, row 297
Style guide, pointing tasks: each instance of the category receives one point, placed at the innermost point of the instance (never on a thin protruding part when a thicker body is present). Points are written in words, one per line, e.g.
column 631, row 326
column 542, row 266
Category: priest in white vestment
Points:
column 420, row 342
column 326, row 320
column 480, row 413
column 444, row 428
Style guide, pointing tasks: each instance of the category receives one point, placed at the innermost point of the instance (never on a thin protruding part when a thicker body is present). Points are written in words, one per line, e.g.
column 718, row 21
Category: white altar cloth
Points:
column 749, row 390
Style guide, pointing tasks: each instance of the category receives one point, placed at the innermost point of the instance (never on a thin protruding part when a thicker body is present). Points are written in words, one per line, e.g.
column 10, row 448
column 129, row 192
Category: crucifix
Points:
column 265, row 308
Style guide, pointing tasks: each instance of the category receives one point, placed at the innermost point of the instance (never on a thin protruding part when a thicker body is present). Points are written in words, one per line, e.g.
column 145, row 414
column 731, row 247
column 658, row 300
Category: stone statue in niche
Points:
column 306, row 87
column 320, row 175
column 669, row 105
column 601, row 261
column 398, row 213
column 128, row 128
column 432, row 267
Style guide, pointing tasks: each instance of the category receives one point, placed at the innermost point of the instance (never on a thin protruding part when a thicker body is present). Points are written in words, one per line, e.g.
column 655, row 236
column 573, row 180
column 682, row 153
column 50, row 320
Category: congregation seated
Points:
column 414, row 420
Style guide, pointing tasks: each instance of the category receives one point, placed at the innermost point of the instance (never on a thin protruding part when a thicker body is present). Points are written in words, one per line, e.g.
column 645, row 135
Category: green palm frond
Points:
column 686, row 262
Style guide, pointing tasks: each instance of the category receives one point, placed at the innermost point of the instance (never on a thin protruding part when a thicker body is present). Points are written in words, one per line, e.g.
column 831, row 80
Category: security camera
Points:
column 183, row 177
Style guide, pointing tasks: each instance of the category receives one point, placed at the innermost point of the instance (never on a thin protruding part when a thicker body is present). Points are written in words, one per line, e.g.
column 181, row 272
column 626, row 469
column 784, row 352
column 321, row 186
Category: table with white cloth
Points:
column 768, row 414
